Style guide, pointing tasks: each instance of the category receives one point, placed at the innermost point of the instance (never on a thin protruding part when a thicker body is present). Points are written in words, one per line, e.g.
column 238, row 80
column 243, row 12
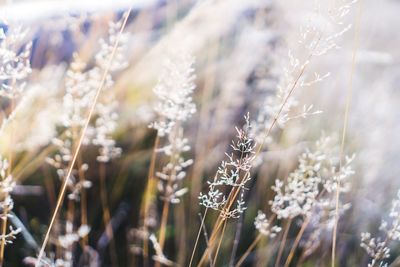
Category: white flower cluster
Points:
column 233, row 175
column 378, row 248
column 174, row 91
column 14, row 61
column 264, row 226
column 316, row 172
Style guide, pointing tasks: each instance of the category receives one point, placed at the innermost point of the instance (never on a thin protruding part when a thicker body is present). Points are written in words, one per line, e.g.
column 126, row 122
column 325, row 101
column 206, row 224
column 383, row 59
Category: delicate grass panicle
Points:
column 317, row 37
column 316, row 176
column 378, row 247
column 232, row 176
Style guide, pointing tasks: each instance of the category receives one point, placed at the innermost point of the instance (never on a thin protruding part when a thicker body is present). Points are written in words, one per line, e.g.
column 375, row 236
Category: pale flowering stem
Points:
column 78, row 147
column 301, row 232
column 214, row 235
column 150, row 188
column 345, row 124
column 10, row 162
column 200, row 146
column 163, row 226
column 219, row 243
column 70, row 224
column 202, row 226
column 258, row 151
column 166, row 205
column 221, row 220
column 294, row 86
column 205, row 237
column 297, row 241
column 83, row 202
column 249, row 249
column 283, row 242
column 253, row 244
column 107, row 214
column 236, row 240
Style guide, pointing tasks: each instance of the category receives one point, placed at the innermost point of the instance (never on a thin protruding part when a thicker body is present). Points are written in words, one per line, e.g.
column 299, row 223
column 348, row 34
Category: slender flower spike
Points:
column 233, row 174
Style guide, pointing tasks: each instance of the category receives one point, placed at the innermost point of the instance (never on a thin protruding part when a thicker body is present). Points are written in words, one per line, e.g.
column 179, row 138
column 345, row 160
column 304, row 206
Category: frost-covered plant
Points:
column 377, row 247
column 318, row 171
column 174, row 107
column 232, row 176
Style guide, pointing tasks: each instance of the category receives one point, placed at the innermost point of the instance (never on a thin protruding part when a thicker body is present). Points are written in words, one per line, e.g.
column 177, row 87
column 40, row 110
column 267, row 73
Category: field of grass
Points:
column 199, row 133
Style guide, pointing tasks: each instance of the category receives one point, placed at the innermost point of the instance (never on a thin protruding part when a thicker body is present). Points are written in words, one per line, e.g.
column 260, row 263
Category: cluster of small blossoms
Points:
column 263, row 226
column 175, row 106
column 317, row 172
column 7, row 185
column 315, row 40
column 14, row 62
column 232, row 177
column 378, row 248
